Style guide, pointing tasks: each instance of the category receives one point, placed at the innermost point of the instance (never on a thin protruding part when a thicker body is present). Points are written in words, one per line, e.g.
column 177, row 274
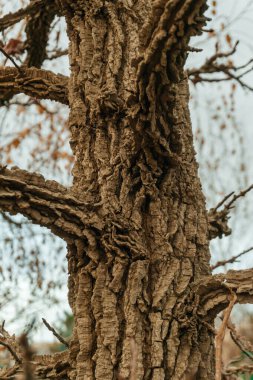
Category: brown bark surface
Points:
column 131, row 136
column 135, row 220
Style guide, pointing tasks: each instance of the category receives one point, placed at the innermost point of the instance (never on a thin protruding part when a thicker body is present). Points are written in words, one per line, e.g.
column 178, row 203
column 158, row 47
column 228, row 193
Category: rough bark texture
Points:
column 31, row 10
column 40, row 84
column 131, row 136
column 135, row 220
column 37, row 32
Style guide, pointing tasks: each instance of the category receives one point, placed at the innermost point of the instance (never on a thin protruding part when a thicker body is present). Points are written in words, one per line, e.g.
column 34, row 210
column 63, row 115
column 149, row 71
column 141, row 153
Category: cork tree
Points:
column 134, row 219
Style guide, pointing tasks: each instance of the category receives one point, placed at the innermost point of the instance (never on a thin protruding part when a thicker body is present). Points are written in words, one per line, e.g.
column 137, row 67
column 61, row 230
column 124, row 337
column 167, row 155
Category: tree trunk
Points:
column 130, row 281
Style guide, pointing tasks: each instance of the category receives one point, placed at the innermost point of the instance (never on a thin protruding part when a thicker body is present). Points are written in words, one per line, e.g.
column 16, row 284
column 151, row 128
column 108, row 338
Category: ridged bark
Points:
column 130, row 283
column 135, row 220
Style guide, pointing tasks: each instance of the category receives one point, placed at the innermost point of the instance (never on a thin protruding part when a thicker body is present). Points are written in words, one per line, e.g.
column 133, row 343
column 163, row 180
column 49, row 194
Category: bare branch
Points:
column 56, row 54
column 240, row 345
column 240, row 341
column 37, row 31
column 55, row 367
column 214, row 292
column 10, row 58
column 237, row 196
column 211, row 66
column 220, row 337
column 55, row 333
column 218, row 220
column 37, row 83
column 10, row 343
column 223, row 200
column 163, row 45
column 13, row 18
column 231, row 260
column 46, row 203
column 10, row 349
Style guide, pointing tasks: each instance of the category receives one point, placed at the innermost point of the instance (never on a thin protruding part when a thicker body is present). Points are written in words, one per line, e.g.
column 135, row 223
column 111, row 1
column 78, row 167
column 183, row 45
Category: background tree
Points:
column 134, row 220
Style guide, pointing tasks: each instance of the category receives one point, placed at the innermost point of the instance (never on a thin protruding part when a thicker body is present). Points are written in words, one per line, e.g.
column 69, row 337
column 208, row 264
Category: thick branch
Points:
column 165, row 38
column 46, row 203
column 214, row 293
column 232, row 259
column 37, row 31
column 36, row 83
column 31, row 10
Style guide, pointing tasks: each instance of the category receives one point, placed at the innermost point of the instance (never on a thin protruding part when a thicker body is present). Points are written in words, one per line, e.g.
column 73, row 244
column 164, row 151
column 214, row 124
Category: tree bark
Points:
column 130, row 284
column 135, row 220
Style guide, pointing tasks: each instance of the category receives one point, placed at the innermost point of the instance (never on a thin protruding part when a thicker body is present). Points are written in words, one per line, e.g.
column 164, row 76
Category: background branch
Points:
column 218, row 220
column 41, row 84
column 231, row 260
column 31, row 10
column 211, row 66
column 37, row 32
column 55, row 333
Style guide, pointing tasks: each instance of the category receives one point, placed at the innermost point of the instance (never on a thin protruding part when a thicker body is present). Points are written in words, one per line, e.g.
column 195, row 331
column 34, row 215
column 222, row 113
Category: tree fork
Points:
column 135, row 219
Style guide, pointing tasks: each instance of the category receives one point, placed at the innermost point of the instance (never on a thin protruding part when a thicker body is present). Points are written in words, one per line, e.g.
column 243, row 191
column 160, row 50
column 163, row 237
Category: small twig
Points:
column 236, row 196
column 229, row 70
column 9, row 342
column 12, row 352
column 218, row 220
column 2, row 327
column 220, row 337
column 240, row 345
column 10, row 58
column 231, row 260
column 58, row 336
column 223, row 200
column 57, row 54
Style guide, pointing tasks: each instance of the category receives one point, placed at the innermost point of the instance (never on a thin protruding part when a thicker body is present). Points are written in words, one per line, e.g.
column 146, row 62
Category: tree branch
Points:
column 218, row 220
column 37, row 31
column 231, row 260
column 10, row 58
column 165, row 38
column 55, row 333
column 211, row 66
column 214, row 293
column 55, row 367
column 10, row 343
column 31, row 10
column 46, row 203
column 37, row 83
